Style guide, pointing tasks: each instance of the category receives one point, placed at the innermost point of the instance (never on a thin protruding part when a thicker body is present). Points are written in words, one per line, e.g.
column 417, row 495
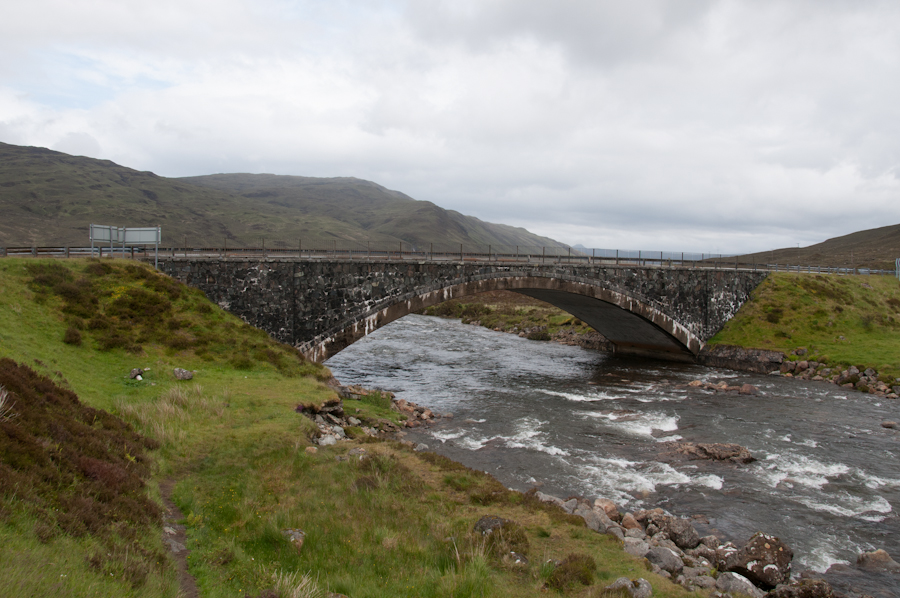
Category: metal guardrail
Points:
column 500, row 254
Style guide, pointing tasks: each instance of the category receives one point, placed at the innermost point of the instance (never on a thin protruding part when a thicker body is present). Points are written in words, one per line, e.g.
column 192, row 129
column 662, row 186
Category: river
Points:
column 579, row 422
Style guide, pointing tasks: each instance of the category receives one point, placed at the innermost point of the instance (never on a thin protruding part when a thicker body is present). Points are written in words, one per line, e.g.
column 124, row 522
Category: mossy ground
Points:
column 394, row 523
column 839, row 320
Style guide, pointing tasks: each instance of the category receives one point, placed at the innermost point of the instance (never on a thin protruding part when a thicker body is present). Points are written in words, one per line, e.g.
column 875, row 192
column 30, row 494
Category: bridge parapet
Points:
column 322, row 306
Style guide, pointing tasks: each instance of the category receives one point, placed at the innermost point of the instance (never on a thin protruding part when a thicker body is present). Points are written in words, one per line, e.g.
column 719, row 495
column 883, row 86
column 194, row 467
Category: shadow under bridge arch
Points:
column 633, row 326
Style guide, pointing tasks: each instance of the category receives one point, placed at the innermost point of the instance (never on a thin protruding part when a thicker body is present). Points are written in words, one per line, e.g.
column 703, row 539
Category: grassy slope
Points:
column 841, row 320
column 50, row 198
column 397, row 524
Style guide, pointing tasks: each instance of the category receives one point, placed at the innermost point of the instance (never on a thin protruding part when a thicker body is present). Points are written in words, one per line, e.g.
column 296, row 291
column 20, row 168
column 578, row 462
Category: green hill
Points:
column 50, row 198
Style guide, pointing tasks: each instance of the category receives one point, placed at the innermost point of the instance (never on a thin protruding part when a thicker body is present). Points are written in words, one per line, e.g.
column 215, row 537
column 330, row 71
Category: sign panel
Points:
column 101, row 232
column 126, row 236
column 142, row 236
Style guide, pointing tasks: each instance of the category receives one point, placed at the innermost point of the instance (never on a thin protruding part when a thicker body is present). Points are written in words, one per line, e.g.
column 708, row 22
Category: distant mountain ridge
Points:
column 50, row 198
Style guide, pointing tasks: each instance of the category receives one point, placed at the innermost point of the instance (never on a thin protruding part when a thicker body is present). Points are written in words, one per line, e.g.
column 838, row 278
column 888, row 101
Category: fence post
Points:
column 543, row 254
column 617, row 257
column 460, row 252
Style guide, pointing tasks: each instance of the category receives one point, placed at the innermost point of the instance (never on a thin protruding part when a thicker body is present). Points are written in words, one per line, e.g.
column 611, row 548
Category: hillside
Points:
column 872, row 248
column 366, row 206
column 50, row 198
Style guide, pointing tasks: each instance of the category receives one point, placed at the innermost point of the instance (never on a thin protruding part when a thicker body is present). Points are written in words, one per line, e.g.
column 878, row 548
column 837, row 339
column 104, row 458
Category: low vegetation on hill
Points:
column 839, row 320
column 230, row 449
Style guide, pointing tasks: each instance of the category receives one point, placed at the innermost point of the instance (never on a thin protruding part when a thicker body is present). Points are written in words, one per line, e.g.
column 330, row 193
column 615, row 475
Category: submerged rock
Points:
column 877, row 561
column 733, row 453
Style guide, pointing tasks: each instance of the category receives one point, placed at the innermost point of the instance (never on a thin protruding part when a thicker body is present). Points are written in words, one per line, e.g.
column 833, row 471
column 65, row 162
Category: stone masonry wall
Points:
column 298, row 302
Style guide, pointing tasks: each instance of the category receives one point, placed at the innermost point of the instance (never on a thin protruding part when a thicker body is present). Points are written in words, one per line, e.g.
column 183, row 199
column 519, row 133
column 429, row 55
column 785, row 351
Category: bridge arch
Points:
column 634, row 327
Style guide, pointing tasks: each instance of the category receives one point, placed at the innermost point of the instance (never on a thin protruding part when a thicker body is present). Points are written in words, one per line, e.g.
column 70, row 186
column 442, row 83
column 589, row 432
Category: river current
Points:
column 579, row 422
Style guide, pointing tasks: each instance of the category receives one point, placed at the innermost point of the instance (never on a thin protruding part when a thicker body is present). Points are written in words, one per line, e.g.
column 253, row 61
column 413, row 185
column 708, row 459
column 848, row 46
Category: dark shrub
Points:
column 139, row 305
column 575, row 568
column 72, row 336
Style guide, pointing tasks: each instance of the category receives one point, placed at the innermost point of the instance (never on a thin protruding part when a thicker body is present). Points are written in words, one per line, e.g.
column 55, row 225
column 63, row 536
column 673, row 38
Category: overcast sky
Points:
column 683, row 125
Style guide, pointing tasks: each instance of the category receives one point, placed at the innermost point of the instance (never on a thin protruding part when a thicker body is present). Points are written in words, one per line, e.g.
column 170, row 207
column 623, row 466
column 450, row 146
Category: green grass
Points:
column 840, row 320
column 395, row 523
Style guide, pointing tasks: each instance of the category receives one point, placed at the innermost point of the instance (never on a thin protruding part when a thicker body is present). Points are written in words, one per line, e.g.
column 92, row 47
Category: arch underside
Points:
column 634, row 327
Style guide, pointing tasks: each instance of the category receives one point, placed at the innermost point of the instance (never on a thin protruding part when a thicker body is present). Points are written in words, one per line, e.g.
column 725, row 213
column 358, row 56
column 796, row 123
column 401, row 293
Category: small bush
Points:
column 539, row 335
column 774, row 314
column 72, row 336
column 574, row 569
column 139, row 305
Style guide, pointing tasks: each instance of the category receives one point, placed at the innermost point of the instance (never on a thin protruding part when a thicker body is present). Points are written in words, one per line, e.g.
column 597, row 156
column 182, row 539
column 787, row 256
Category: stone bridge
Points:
column 321, row 306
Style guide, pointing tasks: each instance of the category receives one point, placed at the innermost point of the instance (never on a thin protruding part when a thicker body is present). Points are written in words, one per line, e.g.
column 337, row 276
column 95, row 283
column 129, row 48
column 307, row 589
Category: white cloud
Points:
column 699, row 125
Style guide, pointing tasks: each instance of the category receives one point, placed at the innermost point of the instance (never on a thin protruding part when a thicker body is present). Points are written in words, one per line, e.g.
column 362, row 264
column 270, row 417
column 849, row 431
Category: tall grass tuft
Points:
column 295, row 585
column 6, row 406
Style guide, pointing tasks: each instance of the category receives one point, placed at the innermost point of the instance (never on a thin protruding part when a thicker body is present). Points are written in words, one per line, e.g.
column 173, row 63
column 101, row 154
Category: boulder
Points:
column 489, row 524
column 569, row 505
column 702, row 583
column 710, row 541
column 548, row 498
column 311, row 450
column 615, row 530
column 722, row 553
column 732, row 583
column 136, row 374
column 748, row 389
column 629, row 522
column 181, row 374
column 636, row 547
column 592, row 519
column 327, row 440
column 665, row 559
column 764, row 560
column 679, row 531
column 877, row 561
column 643, row 516
column 609, row 507
column 889, row 424
column 703, row 551
column 636, row 588
column 733, row 453
column 295, row 537
column 803, row 588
